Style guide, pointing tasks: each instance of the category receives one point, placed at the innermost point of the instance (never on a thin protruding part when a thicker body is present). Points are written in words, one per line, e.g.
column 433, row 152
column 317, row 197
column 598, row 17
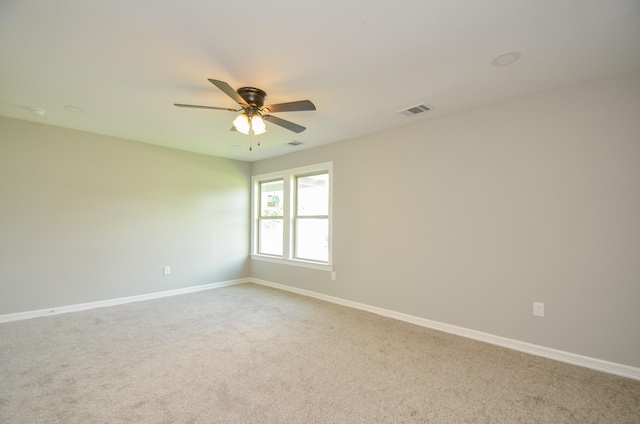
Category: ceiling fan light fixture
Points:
column 241, row 123
column 258, row 125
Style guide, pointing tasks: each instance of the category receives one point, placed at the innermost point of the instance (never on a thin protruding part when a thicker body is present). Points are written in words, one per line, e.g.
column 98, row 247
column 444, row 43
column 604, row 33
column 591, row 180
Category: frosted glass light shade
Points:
column 242, row 123
column 257, row 124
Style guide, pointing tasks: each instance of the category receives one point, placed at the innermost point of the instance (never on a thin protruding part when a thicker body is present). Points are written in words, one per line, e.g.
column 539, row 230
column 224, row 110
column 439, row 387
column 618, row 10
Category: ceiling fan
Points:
column 254, row 113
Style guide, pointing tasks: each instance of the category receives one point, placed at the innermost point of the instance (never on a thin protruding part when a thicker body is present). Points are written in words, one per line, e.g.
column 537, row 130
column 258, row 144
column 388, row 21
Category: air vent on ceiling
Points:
column 414, row 110
column 295, row 143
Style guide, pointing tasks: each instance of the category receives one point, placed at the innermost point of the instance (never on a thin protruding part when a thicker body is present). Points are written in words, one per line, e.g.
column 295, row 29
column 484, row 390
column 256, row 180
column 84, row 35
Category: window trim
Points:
column 288, row 177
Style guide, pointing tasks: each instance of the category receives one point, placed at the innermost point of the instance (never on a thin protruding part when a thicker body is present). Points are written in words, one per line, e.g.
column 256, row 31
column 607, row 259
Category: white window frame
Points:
column 289, row 192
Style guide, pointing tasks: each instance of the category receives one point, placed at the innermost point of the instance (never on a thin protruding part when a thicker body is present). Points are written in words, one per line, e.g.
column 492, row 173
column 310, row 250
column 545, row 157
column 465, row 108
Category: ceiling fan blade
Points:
column 284, row 123
column 226, row 89
column 298, row 106
column 207, row 107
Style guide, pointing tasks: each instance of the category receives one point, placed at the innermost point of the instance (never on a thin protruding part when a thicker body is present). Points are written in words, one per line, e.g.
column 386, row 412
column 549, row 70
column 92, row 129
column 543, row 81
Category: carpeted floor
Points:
column 251, row 354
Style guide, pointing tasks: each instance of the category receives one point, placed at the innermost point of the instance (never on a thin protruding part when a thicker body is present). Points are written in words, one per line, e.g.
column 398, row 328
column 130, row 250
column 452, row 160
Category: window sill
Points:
column 294, row 262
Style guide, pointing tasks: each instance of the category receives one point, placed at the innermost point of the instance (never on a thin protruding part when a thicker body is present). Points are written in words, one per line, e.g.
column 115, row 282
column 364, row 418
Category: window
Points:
column 271, row 218
column 291, row 220
column 311, row 218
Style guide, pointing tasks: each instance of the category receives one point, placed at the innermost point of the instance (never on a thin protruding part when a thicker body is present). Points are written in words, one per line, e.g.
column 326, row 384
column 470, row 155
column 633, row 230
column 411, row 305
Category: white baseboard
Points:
column 119, row 301
column 558, row 355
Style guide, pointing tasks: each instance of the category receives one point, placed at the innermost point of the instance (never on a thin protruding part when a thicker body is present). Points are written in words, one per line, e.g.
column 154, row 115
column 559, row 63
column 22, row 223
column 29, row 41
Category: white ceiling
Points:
column 126, row 62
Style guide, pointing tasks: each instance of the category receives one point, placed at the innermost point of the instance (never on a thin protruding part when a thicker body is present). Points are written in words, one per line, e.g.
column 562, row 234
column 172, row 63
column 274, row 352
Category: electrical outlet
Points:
column 538, row 309
column 167, row 270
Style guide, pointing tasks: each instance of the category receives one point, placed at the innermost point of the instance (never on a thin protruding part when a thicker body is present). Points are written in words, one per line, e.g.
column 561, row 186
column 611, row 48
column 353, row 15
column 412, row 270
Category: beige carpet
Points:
column 250, row 354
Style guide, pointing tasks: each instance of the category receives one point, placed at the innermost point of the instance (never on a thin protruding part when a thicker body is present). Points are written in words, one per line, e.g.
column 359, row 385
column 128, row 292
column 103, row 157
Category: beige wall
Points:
column 85, row 217
column 470, row 218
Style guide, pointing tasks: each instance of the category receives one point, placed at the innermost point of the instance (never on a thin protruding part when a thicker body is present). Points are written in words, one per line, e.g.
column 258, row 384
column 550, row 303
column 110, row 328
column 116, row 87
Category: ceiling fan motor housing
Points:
column 253, row 96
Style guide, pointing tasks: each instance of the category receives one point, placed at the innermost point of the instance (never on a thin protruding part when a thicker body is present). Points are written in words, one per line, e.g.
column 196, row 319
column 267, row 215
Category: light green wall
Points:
column 470, row 218
column 85, row 217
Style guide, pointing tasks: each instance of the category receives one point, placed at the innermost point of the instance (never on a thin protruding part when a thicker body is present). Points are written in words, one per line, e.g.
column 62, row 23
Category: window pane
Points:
column 271, row 196
column 270, row 237
column 313, row 195
column 312, row 239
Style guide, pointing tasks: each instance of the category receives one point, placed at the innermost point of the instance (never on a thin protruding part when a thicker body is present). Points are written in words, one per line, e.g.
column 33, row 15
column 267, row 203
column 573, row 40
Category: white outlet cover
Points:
column 538, row 309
